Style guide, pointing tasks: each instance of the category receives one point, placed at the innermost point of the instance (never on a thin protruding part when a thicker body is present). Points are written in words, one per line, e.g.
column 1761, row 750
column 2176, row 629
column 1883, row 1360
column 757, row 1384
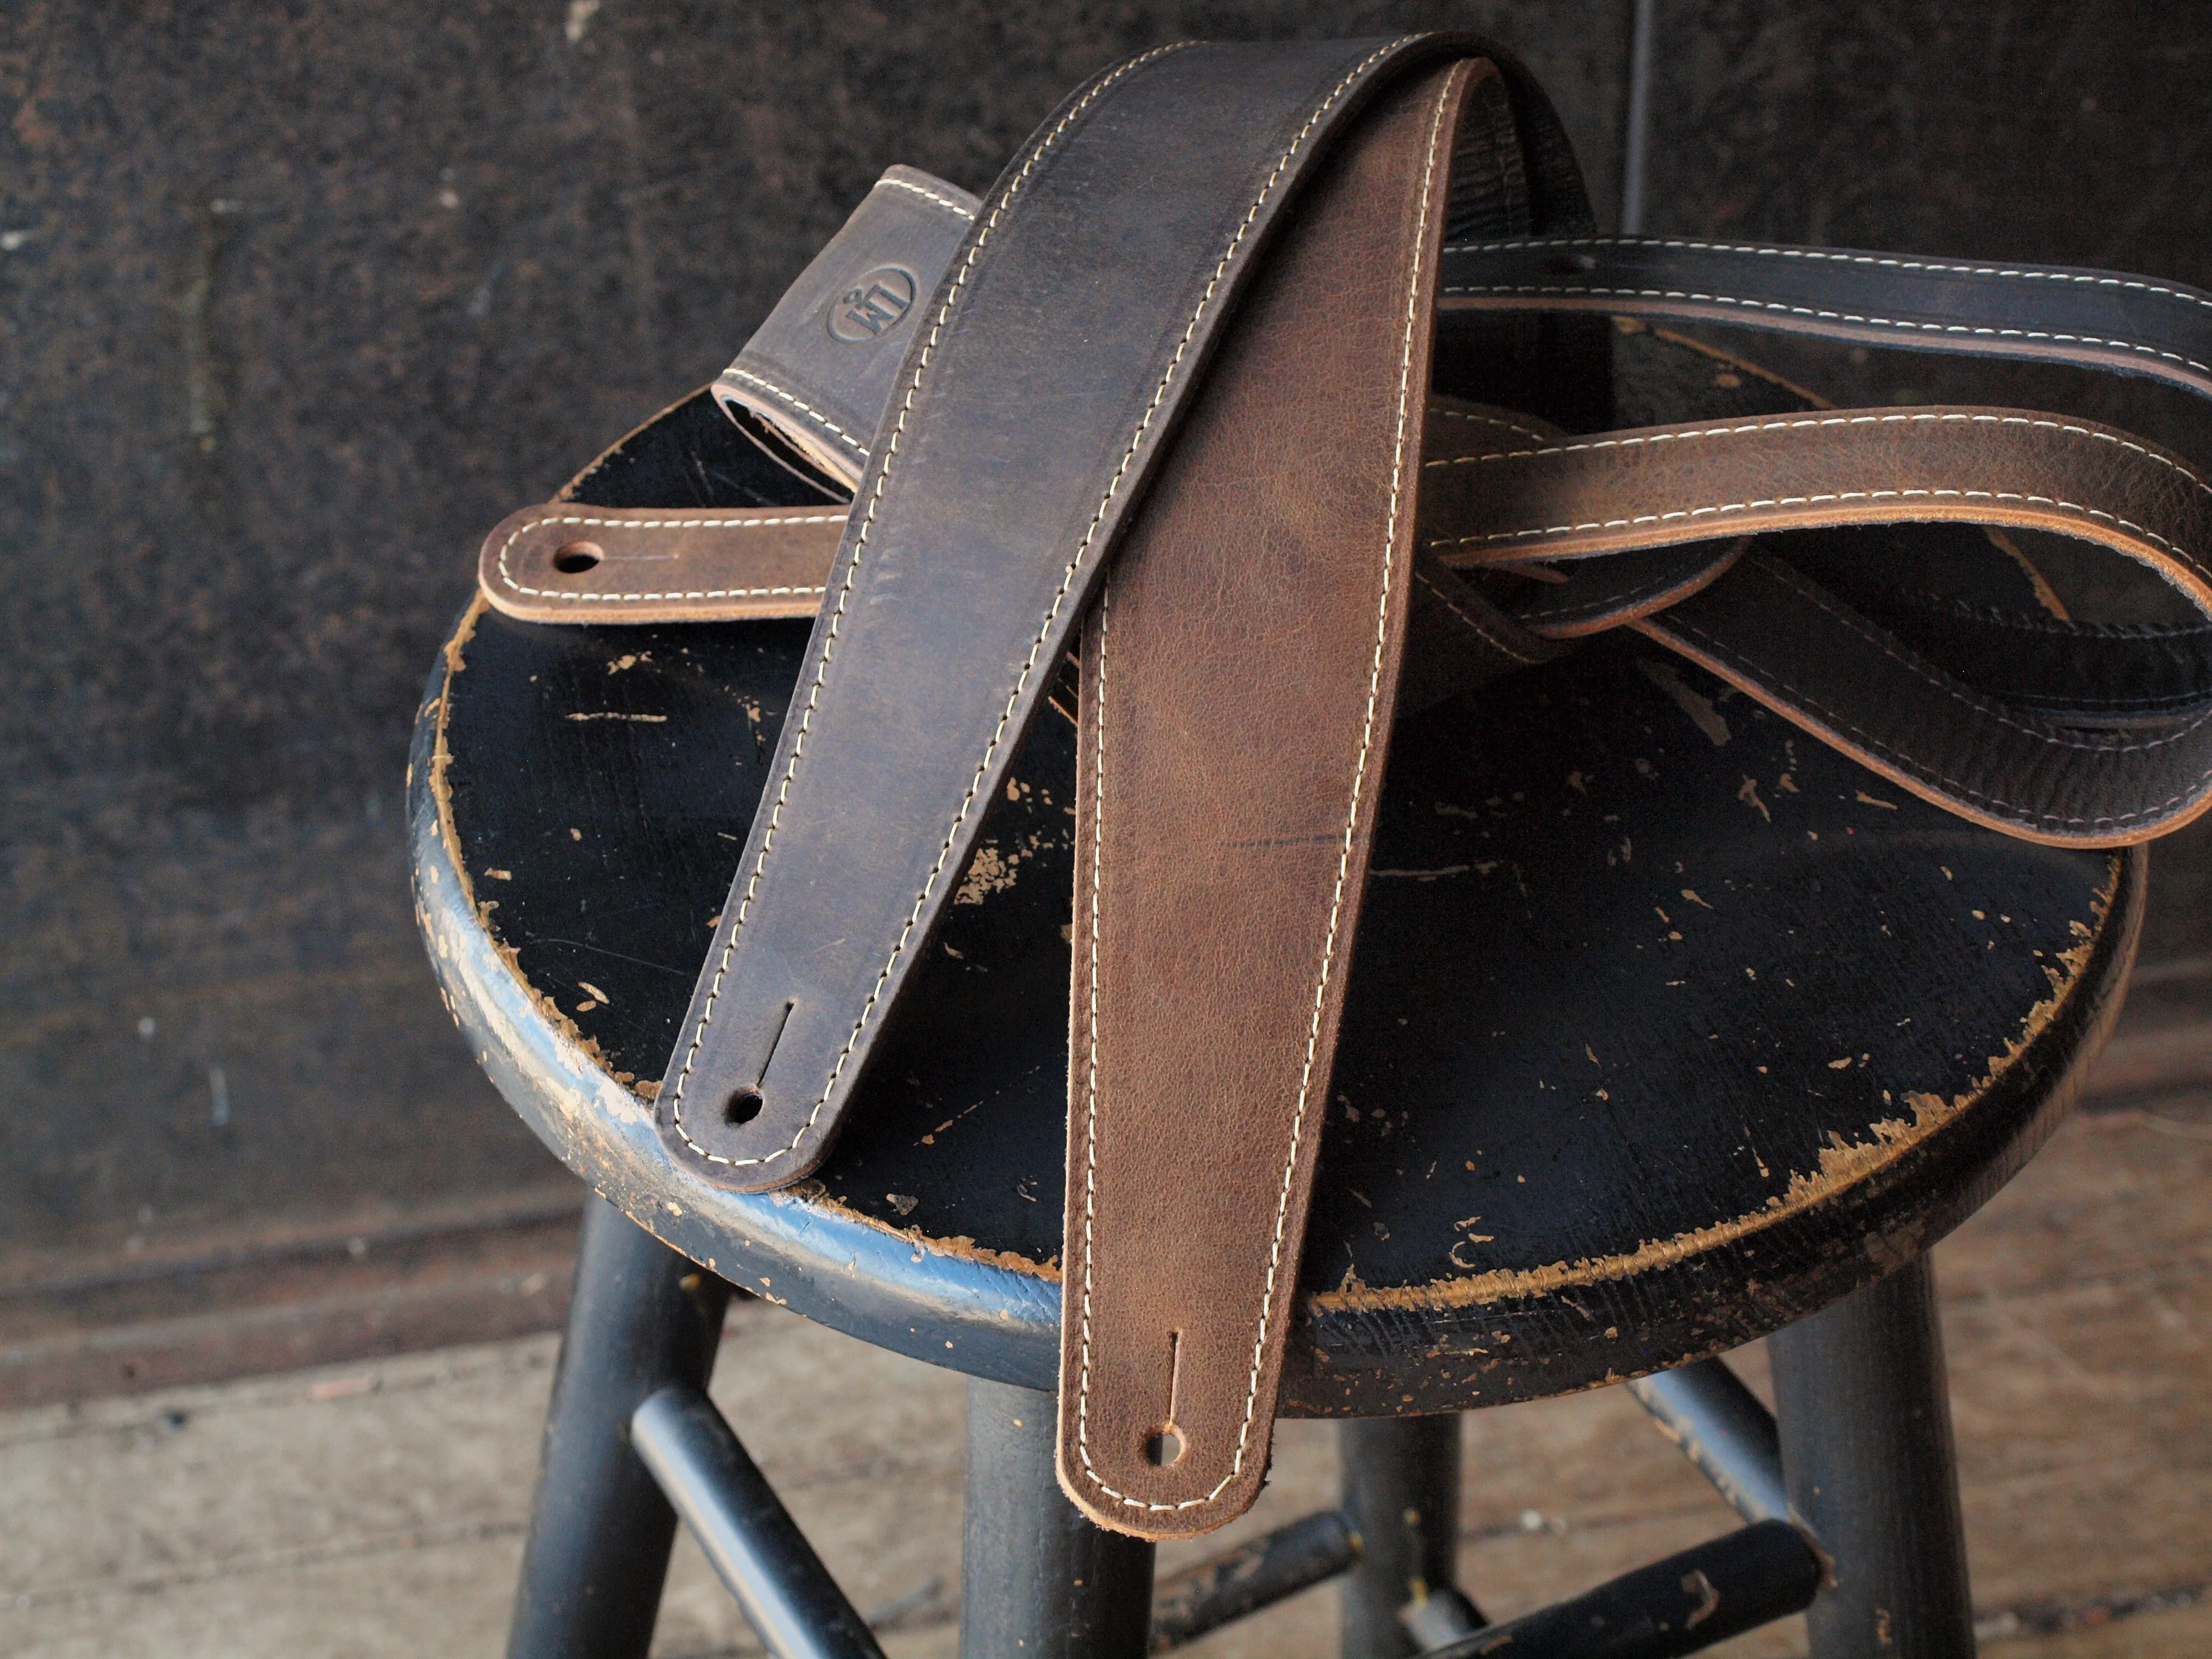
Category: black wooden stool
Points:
column 1669, row 1028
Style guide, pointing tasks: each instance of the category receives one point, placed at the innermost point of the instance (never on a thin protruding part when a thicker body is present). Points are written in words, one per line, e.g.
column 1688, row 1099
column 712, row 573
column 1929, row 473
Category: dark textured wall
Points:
column 297, row 299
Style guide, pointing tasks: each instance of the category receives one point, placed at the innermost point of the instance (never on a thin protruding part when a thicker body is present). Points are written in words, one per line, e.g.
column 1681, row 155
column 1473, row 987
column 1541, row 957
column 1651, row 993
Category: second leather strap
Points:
column 1238, row 675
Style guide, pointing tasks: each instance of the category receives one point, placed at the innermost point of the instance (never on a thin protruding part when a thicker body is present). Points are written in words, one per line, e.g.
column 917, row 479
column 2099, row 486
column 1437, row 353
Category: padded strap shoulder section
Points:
column 2101, row 319
column 1216, row 900
column 1112, row 249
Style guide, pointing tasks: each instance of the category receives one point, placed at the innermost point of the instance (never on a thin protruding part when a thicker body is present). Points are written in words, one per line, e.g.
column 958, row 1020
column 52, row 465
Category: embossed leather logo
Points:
column 872, row 307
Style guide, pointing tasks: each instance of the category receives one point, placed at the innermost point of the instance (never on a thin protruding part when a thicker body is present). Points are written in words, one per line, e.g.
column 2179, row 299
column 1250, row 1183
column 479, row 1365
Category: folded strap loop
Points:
column 1770, row 631
column 1775, row 634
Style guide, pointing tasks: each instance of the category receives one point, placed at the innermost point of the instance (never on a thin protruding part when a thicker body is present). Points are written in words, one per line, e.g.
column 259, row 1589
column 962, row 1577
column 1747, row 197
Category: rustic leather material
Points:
column 982, row 522
column 821, row 369
column 1781, row 638
column 1778, row 637
column 1661, row 486
column 1194, row 1116
column 1498, row 487
column 562, row 562
column 732, row 564
column 1300, row 538
column 2102, row 319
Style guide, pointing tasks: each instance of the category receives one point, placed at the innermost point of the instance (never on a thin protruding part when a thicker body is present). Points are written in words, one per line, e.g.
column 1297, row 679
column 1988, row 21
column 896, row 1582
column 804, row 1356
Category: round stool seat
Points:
column 1668, row 1025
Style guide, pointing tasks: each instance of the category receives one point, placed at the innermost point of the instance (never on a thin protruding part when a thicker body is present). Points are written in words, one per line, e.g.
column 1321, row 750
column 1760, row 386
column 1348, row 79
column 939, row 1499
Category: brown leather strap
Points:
column 547, row 564
column 1665, row 485
column 1778, row 637
column 560, row 562
column 563, row 562
column 1194, row 1115
column 1271, row 548
column 981, row 528
column 1499, row 488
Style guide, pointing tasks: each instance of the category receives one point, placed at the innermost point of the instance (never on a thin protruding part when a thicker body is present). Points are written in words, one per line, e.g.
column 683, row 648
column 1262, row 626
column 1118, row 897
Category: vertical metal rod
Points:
column 1722, row 1427
column 1636, row 134
column 1401, row 1485
column 1038, row 1579
column 781, row 1585
column 642, row 1317
column 1866, row 1441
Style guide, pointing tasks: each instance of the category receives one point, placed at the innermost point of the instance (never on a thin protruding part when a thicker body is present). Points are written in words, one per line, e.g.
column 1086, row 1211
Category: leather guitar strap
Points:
column 1199, row 1054
column 1043, row 380
column 1633, row 515
column 1173, row 379
column 2058, row 313
column 1274, row 556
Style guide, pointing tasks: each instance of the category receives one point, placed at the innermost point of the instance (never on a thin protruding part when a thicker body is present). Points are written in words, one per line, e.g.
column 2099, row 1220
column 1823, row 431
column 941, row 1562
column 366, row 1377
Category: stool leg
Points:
column 1037, row 1580
column 1865, row 1420
column 642, row 1317
column 1400, row 1484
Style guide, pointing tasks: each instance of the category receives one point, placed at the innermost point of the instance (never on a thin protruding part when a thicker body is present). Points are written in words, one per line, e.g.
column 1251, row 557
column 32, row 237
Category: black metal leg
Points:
column 1037, row 1580
column 1400, row 1481
column 1866, row 1445
column 642, row 1317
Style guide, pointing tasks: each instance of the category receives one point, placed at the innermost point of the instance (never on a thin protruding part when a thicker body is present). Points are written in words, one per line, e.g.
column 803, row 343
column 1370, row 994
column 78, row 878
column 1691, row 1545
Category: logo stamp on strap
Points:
column 873, row 306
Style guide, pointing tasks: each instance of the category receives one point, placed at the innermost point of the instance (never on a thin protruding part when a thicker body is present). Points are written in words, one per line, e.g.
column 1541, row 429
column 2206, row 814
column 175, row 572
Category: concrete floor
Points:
column 378, row 1508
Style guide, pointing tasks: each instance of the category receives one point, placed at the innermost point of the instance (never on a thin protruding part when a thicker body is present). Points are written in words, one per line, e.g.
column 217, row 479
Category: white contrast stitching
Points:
column 1435, row 409
column 1903, row 325
column 829, row 639
column 1488, row 637
column 1812, row 422
column 506, row 577
column 1832, row 256
column 1090, row 1084
column 1343, row 862
column 733, row 372
column 945, row 202
column 2053, row 738
column 2053, row 503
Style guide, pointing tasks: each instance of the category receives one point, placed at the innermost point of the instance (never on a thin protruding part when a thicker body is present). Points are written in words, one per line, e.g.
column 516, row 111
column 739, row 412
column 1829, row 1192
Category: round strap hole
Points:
column 1162, row 1446
column 574, row 558
column 744, row 1106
